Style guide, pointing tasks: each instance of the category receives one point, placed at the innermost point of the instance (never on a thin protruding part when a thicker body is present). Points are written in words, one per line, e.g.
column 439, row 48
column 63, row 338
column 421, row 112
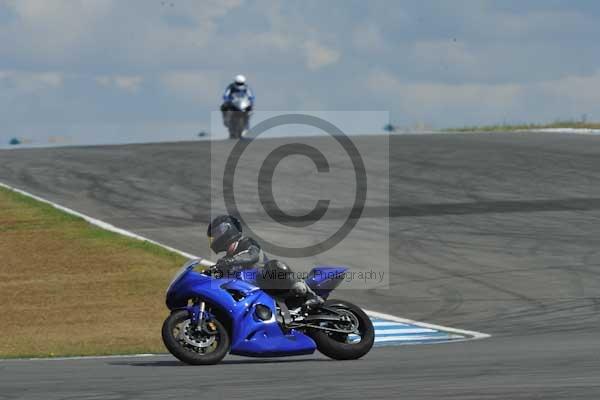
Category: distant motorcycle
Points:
column 212, row 316
column 236, row 114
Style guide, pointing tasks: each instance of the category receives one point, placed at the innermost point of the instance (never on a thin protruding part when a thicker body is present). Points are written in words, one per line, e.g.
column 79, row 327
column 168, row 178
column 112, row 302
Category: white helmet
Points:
column 240, row 79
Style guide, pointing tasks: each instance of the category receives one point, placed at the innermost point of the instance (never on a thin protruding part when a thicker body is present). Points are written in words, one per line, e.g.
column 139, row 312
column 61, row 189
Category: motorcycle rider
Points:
column 225, row 235
column 238, row 85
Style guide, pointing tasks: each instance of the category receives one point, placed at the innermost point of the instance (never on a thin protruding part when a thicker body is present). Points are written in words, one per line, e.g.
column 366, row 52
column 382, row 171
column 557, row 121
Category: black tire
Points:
column 237, row 124
column 334, row 345
column 187, row 354
column 235, row 127
column 232, row 133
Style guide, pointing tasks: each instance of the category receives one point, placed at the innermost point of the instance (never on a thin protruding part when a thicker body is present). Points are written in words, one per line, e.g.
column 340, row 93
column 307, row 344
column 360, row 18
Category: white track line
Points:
column 408, row 331
column 471, row 334
column 105, row 225
column 388, row 323
column 579, row 131
column 206, row 263
column 415, row 338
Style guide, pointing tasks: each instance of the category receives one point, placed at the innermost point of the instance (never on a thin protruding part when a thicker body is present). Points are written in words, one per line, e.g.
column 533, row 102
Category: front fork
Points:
column 200, row 318
column 197, row 310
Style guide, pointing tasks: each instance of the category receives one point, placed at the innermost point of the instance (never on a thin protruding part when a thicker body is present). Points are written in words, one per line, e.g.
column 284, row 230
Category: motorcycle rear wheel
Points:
column 191, row 348
column 337, row 345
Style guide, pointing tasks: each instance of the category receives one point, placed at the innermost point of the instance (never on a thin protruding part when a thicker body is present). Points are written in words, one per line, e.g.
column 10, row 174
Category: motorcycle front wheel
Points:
column 237, row 125
column 343, row 346
column 192, row 346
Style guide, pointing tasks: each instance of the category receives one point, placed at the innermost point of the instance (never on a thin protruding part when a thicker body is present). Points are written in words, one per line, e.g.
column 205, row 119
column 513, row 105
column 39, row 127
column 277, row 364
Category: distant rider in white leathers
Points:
column 238, row 85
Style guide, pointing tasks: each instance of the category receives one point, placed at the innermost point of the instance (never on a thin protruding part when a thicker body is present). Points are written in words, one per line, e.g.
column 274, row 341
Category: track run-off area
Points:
column 495, row 233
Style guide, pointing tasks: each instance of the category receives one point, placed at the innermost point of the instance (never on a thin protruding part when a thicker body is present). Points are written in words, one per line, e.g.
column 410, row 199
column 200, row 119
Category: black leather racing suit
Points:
column 246, row 255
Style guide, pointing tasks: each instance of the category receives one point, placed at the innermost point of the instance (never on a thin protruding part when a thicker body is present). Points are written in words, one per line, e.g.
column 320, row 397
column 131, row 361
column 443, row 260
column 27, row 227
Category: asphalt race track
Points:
column 497, row 233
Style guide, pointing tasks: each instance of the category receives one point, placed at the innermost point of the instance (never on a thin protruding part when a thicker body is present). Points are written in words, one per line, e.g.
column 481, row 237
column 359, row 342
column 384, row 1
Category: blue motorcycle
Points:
column 212, row 316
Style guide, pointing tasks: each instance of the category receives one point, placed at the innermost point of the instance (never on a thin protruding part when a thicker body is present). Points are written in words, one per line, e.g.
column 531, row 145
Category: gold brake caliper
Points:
column 212, row 326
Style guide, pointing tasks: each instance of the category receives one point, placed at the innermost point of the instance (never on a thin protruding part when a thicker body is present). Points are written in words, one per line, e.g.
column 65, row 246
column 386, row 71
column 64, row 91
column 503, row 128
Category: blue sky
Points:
column 111, row 71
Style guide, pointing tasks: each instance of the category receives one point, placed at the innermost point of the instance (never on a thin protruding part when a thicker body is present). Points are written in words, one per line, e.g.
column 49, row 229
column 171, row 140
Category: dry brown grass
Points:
column 69, row 288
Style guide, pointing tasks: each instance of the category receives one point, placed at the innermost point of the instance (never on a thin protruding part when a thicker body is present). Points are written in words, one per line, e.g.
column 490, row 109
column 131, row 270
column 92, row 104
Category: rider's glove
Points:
column 214, row 272
column 220, row 268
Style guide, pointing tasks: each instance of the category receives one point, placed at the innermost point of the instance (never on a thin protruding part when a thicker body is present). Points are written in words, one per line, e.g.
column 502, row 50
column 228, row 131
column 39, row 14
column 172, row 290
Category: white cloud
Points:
column 70, row 32
column 196, row 85
column 431, row 96
column 425, row 101
column 53, row 27
column 318, row 56
column 445, row 52
column 28, row 82
column 128, row 83
column 369, row 38
column 575, row 89
column 46, row 13
column 523, row 25
column 464, row 103
column 270, row 40
column 104, row 80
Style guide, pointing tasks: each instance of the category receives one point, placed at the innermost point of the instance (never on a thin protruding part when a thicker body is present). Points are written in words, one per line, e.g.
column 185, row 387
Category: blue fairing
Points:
column 249, row 335
column 323, row 279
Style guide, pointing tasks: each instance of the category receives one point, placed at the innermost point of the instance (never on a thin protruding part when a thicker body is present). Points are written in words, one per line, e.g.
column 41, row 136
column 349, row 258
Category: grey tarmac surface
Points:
column 497, row 233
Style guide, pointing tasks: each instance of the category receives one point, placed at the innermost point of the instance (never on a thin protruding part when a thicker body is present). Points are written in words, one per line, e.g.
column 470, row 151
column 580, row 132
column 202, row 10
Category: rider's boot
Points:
column 312, row 300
